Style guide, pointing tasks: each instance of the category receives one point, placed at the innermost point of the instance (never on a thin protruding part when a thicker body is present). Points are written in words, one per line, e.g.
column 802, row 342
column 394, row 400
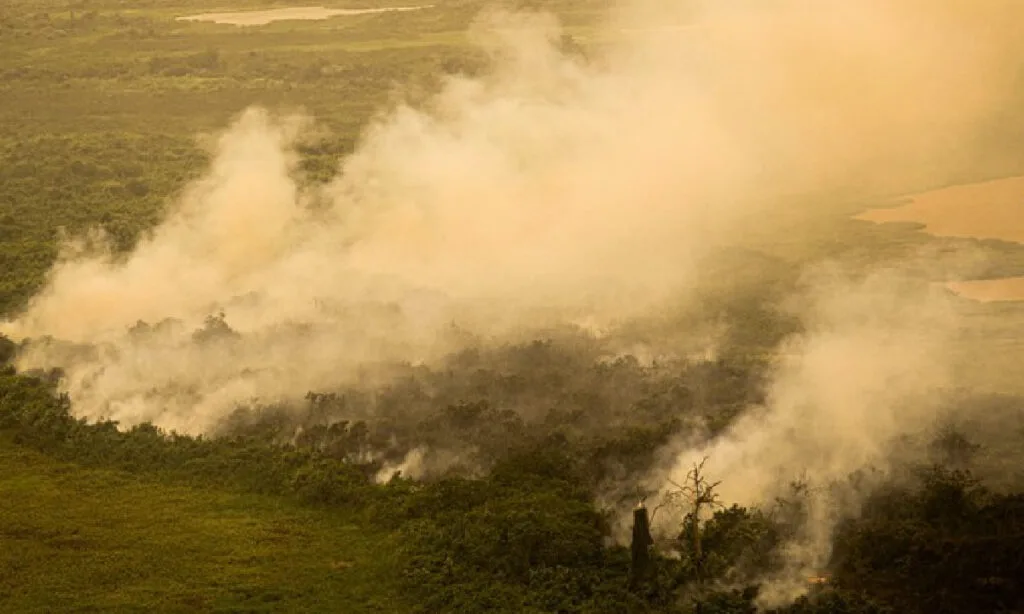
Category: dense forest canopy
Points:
column 471, row 282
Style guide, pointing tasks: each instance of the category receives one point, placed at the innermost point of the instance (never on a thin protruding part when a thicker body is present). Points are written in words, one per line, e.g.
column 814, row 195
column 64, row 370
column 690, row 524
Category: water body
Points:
column 262, row 18
column 986, row 210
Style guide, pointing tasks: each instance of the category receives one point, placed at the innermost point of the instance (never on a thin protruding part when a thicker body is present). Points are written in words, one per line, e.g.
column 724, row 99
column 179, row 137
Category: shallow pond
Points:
column 262, row 18
column 986, row 210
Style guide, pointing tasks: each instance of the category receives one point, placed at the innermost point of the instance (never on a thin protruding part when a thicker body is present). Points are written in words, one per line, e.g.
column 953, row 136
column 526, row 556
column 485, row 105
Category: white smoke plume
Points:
column 551, row 189
column 868, row 370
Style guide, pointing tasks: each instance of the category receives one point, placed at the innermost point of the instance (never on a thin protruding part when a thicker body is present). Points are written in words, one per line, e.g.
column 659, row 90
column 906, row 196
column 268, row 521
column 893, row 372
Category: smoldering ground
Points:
column 560, row 191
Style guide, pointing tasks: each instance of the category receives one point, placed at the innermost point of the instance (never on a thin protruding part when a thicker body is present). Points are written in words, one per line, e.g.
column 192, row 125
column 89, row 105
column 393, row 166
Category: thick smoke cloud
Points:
column 868, row 371
column 558, row 189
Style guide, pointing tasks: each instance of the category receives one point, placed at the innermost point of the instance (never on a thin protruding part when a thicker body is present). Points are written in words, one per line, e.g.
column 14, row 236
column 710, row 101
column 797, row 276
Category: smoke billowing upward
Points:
column 867, row 371
column 556, row 189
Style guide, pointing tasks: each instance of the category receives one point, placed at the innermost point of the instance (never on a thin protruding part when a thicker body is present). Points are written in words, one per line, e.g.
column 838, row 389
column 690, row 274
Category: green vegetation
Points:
column 283, row 521
column 75, row 539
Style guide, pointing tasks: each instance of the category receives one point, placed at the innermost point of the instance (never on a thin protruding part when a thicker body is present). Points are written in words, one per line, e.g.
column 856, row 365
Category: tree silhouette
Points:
column 694, row 496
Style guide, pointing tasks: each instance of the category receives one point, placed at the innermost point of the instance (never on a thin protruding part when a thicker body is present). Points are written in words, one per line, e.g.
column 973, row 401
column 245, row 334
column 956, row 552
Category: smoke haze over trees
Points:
column 552, row 282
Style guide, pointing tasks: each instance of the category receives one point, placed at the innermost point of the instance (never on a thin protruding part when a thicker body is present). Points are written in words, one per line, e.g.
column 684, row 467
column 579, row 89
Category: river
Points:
column 986, row 210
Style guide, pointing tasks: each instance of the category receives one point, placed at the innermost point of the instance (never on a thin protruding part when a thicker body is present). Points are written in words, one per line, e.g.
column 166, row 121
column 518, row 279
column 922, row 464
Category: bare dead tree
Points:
column 694, row 495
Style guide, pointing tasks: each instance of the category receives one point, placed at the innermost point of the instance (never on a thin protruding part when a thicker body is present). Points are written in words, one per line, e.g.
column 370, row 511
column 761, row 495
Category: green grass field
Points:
column 86, row 540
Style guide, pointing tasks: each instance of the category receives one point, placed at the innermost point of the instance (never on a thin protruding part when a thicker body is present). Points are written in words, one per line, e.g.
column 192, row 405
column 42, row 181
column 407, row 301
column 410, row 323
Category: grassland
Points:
column 74, row 539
